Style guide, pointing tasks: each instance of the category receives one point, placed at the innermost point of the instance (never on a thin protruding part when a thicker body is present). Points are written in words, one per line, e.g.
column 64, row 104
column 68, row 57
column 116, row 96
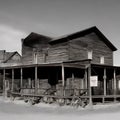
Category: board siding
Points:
column 76, row 49
column 79, row 48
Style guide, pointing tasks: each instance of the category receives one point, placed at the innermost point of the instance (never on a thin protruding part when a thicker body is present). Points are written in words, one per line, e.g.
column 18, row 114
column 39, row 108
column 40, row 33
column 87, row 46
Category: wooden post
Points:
column 63, row 79
column 104, row 78
column 21, row 77
column 114, row 76
column 12, row 89
column 63, row 76
column 4, row 82
column 105, row 81
column 36, row 80
column 85, row 78
column 89, row 87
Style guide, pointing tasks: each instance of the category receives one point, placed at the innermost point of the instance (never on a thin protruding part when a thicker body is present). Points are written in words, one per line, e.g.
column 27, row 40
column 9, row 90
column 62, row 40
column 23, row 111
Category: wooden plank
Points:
column 104, row 77
column 21, row 77
column 63, row 78
column 36, row 80
column 89, row 87
column 4, row 82
column 114, row 78
column 63, row 75
column 12, row 88
column 85, row 78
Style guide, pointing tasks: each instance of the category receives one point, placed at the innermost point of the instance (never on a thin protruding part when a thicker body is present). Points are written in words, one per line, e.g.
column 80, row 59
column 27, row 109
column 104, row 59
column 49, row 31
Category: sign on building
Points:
column 94, row 81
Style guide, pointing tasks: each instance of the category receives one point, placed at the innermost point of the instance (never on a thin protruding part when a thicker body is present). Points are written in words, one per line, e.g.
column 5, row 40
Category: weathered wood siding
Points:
column 15, row 59
column 58, row 53
column 78, row 49
column 2, row 55
column 51, row 54
column 27, row 54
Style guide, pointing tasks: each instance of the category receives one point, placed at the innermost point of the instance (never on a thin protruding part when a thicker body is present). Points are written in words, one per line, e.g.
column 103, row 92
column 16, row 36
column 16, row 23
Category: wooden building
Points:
column 9, row 57
column 67, row 64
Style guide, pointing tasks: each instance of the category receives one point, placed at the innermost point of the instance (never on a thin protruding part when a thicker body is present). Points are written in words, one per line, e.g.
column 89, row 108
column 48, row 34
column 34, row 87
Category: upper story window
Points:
column 90, row 54
column 102, row 60
column 35, row 58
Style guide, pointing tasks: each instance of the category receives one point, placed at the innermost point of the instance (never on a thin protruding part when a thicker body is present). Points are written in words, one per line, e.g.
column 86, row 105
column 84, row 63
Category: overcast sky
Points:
column 18, row 18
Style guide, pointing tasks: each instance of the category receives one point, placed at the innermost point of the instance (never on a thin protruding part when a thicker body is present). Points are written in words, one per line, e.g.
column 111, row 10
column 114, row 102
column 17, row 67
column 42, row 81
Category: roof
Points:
column 9, row 55
column 72, row 36
column 34, row 38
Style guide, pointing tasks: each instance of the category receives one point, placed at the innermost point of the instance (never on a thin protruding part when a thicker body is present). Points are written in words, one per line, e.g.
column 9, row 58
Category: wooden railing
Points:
column 56, row 92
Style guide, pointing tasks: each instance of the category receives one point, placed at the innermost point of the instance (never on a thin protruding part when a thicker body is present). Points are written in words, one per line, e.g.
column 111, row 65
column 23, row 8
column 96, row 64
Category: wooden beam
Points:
column 63, row 75
column 114, row 78
column 4, row 82
column 104, row 77
column 36, row 80
column 63, row 78
column 21, row 77
column 12, row 89
column 89, row 87
column 85, row 78
column 73, row 65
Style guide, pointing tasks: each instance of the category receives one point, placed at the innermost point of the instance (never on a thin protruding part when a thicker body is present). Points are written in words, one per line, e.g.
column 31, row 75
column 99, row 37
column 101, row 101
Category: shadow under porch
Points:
column 67, row 81
column 51, row 78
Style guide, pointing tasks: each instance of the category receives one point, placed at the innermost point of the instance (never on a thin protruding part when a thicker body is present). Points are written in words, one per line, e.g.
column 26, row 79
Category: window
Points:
column 90, row 54
column 102, row 60
column 35, row 58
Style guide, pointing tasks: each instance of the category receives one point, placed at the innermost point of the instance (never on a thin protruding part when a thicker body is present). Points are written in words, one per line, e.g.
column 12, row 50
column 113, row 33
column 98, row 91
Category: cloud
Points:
column 10, row 38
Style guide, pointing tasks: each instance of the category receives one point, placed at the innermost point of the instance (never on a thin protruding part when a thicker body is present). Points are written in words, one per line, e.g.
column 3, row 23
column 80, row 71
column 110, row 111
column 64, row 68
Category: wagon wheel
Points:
column 84, row 102
column 50, row 100
column 31, row 101
column 37, row 100
column 61, row 101
column 25, row 99
column 45, row 99
column 67, row 101
column 76, row 101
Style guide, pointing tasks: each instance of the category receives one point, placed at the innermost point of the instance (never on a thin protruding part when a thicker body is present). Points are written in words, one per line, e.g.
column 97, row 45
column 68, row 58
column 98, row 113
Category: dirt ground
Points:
column 18, row 110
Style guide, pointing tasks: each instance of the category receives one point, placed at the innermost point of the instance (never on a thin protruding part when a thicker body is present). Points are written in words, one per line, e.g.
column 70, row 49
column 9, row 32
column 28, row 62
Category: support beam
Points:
column 21, row 77
column 104, row 80
column 36, row 80
column 89, row 87
column 85, row 78
column 63, row 79
column 114, row 78
column 12, row 89
column 104, row 77
column 4, row 82
column 63, row 75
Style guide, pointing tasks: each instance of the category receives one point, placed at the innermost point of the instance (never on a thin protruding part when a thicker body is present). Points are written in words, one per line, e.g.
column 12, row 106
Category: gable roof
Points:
column 9, row 55
column 66, row 38
column 34, row 38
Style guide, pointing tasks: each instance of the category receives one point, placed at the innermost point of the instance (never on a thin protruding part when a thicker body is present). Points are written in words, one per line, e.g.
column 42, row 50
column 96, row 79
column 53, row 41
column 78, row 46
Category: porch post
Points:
column 63, row 78
column 4, row 82
column 89, row 86
column 21, row 77
column 114, row 75
column 104, row 78
column 104, row 81
column 85, row 78
column 12, row 89
column 36, row 80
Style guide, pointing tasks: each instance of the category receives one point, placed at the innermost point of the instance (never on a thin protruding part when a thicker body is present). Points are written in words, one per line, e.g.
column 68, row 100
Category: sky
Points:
column 18, row 18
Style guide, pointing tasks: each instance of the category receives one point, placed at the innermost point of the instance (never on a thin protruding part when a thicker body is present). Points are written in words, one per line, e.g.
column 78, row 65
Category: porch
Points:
column 63, row 80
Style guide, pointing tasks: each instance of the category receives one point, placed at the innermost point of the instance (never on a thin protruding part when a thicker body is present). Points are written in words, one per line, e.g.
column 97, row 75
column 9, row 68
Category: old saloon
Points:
column 78, row 64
